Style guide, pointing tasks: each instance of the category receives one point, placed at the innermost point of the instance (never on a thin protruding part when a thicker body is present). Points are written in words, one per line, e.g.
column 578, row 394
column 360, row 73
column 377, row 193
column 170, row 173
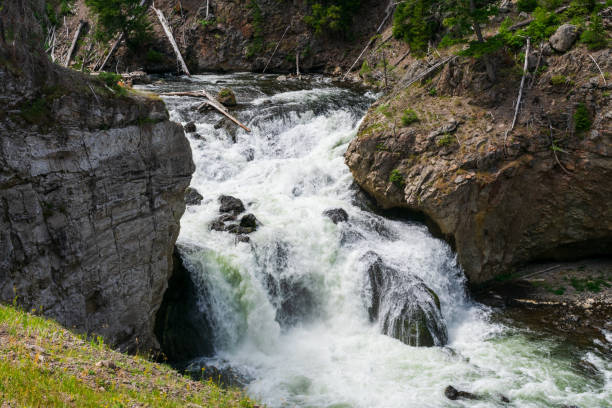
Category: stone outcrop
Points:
column 541, row 193
column 91, row 194
column 565, row 36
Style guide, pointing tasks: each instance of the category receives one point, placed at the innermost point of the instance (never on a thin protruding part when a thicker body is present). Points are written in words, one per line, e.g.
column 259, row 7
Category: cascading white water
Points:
column 327, row 353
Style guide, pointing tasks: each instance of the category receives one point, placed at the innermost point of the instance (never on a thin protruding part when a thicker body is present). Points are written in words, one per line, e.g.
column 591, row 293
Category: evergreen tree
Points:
column 120, row 16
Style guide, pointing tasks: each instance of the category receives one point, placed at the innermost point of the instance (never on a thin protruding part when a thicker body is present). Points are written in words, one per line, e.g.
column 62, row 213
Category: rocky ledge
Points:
column 91, row 194
column 542, row 192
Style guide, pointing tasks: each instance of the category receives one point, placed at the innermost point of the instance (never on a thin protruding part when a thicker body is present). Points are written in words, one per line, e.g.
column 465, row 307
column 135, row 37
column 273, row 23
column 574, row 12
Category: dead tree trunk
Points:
column 390, row 9
column 275, row 48
column 520, row 95
column 168, row 31
column 297, row 63
column 207, row 8
column 74, row 42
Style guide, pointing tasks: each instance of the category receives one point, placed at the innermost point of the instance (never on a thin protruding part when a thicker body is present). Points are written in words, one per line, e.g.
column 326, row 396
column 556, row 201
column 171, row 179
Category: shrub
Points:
column 332, row 16
column 559, row 80
column 527, row 5
column 396, row 178
column 582, row 120
column 154, row 56
column 595, row 36
column 445, row 140
column 409, row 117
column 112, row 80
column 125, row 16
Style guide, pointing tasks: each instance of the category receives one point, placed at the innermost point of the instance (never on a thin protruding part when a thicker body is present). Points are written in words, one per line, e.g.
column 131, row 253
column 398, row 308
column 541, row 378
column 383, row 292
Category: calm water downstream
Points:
column 327, row 353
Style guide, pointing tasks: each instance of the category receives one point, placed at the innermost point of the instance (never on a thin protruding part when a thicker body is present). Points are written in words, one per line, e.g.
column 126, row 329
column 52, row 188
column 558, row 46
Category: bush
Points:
column 112, row 80
column 154, row 56
column 125, row 16
column 527, row 5
column 595, row 36
column 559, row 80
column 396, row 178
column 332, row 16
column 409, row 117
column 582, row 121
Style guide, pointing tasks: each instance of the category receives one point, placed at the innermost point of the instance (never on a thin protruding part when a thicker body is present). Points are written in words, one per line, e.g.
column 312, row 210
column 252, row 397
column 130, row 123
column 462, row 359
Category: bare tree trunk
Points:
column 520, row 95
column 74, row 42
column 168, row 31
column 478, row 32
column 275, row 48
column 207, row 8
column 297, row 64
column 111, row 52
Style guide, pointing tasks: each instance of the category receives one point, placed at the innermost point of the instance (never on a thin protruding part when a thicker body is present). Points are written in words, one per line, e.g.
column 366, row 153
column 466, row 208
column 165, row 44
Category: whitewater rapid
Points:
column 289, row 170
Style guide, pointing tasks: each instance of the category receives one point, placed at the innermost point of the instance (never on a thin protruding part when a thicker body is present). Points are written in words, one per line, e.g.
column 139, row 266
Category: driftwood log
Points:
column 209, row 100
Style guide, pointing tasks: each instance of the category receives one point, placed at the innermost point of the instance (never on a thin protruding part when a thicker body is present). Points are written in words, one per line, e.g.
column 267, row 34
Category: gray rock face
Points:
column 91, row 194
column 565, row 36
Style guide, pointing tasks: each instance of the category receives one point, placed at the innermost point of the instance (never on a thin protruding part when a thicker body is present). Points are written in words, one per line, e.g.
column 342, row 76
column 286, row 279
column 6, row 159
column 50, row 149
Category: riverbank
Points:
column 46, row 365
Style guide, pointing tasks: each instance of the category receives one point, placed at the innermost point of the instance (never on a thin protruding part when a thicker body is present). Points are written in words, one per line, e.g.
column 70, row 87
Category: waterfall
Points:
column 292, row 309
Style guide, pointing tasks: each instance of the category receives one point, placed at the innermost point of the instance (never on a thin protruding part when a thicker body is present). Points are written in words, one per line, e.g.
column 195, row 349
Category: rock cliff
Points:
column 91, row 193
column 439, row 148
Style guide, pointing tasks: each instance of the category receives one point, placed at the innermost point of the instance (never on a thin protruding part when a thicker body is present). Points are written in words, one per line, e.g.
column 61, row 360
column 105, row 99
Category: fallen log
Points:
column 166, row 27
column 429, row 71
column 82, row 24
column 111, row 52
column 210, row 101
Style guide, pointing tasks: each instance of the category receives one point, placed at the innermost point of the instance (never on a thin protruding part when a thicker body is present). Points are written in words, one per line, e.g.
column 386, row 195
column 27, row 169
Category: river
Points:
column 304, row 271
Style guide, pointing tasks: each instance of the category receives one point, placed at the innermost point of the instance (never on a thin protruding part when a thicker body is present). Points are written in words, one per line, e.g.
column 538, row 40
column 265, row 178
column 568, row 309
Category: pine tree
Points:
column 120, row 16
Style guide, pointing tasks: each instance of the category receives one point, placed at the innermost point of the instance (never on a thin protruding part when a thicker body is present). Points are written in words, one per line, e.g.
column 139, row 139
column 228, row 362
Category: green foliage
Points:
column 414, row 23
column 120, row 16
column 409, row 117
column 544, row 24
column 595, row 36
column 551, row 4
column 560, row 80
column 589, row 284
column 385, row 111
column 396, row 178
column 365, row 69
column 205, row 23
column 582, row 120
column 445, row 140
column 112, row 80
column 332, row 16
column 154, row 56
column 527, row 5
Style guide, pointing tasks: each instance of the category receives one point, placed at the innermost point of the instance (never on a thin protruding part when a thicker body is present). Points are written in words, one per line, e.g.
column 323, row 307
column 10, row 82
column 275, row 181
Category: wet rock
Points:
column 404, row 306
column 197, row 136
column 227, row 218
column 203, row 370
column 565, row 36
column 249, row 154
column 336, row 215
column 217, row 226
column 189, row 127
column 226, row 97
column 182, row 325
column 230, row 204
column 192, row 197
column 453, row 394
column 249, row 221
column 243, row 238
column 228, row 126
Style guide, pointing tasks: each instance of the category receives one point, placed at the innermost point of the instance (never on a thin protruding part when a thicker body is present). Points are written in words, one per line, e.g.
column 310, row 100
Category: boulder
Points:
column 336, row 215
column 404, row 306
column 226, row 97
column 453, row 394
column 249, row 221
column 230, row 204
column 565, row 36
column 189, row 127
column 192, row 197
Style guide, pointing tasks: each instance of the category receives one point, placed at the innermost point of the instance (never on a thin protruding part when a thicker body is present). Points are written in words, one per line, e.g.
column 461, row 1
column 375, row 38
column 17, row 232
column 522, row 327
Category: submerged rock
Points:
column 453, row 394
column 404, row 306
column 192, row 197
column 189, row 127
column 230, row 204
column 336, row 215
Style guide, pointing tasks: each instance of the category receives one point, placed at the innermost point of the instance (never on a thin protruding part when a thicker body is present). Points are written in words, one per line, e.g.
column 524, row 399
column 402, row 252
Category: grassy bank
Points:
column 44, row 365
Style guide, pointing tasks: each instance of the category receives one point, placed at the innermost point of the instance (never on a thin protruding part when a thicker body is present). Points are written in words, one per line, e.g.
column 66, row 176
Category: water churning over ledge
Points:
column 292, row 309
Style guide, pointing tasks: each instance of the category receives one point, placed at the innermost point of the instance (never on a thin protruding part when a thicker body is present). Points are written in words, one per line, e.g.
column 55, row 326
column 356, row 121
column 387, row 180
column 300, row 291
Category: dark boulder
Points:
column 228, row 126
column 225, row 376
column 182, row 326
column 336, row 215
column 404, row 306
column 249, row 221
column 217, row 226
column 243, row 238
column 453, row 394
column 189, row 127
column 192, row 197
column 230, row 204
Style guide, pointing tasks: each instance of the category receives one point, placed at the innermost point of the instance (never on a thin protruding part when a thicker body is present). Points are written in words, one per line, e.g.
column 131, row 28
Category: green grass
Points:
column 409, row 117
column 45, row 365
column 595, row 285
column 446, row 140
column 560, row 80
